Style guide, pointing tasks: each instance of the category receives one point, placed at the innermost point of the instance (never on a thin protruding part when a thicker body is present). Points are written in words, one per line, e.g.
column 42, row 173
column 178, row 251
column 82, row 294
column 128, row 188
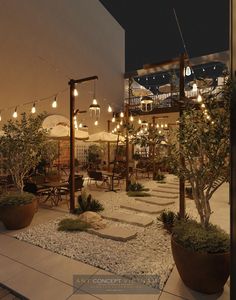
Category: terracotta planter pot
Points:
column 17, row 217
column 202, row 272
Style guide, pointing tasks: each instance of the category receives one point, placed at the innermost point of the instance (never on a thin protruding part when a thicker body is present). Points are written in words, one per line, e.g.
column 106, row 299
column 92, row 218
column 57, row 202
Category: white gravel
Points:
column 148, row 254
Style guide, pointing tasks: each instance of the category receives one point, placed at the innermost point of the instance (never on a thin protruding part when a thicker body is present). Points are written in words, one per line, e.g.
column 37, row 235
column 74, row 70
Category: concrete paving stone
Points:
column 114, row 233
column 128, row 218
column 9, row 268
column 165, row 191
column 37, row 286
column 156, row 201
column 164, row 195
column 63, row 268
column 168, row 187
column 142, row 207
column 176, row 286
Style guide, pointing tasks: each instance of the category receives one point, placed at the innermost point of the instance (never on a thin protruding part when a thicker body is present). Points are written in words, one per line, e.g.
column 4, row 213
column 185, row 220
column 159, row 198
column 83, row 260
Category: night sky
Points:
column 152, row 34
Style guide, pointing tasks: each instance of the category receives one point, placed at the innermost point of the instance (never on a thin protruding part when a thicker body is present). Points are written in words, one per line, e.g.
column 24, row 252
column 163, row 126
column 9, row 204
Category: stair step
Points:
column 142, row 207
column 128, row 218
column 114, row 233
column 156, row 201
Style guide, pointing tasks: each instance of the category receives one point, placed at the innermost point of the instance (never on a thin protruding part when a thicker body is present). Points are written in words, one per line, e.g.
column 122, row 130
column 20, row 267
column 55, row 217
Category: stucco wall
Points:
column 43, row 43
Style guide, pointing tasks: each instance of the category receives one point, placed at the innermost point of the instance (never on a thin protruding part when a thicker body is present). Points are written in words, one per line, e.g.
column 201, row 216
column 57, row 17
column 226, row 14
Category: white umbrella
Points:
column 54, row 120
column 103, row 136
column 63, row 132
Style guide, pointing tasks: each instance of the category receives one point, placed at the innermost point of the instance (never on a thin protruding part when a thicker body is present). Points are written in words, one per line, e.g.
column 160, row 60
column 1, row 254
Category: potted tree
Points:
column 21, row 146
column 204, row 140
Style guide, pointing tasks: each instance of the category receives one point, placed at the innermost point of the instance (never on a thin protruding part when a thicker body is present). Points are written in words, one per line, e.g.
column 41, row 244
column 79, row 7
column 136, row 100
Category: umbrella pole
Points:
column 108, row 146
column 115, row 161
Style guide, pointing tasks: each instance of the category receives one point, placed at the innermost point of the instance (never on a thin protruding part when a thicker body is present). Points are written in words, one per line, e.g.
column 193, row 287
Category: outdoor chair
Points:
column 79, row 184
column 97, row 176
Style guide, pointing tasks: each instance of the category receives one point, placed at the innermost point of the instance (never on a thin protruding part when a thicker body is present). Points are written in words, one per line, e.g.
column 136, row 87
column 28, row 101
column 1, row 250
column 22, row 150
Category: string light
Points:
column 122, row 114
column 54, row 103
column 203, row 105
column 33, row 109
column 113, row 119
column 0, row 116
column 115, row 130
column 188, row 71
column 15, row 113
column 162, row 126
column 199, row 98
column 109, row 109
column 131, row 118
column 80, row 125
column 194, row 87
column 118, row 126
column 75, row 92
column 166, row 125
column 121, row 122
column 139, row 121
column 96, row 123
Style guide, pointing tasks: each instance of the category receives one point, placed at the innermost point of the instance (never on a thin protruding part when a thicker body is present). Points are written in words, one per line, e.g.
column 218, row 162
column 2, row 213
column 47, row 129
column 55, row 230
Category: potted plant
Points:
column 204, row 144
column 21, row 146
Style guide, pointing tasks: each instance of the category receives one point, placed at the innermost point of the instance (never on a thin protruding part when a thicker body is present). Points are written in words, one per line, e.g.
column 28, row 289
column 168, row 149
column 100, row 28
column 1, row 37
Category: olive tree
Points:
column 21, row 146
column 204, row 140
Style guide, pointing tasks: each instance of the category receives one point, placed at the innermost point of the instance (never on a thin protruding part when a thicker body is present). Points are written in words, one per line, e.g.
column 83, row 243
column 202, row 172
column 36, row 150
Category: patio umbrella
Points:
column 104, row 137
column 63, row 132
column 54, row 120
column 139, row 90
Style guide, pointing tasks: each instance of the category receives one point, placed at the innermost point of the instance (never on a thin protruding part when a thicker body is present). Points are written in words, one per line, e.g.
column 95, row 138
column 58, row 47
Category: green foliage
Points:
column 87, row 203
column 136, row 156
column 138, row 194
column 72, row 225
column 49, row 152
column 193, row 236
column 137, row 187
column 15, row 199
column 159, row 177
column 168, row 218
column 94, row 153
column 203, row 137
column 22, row 145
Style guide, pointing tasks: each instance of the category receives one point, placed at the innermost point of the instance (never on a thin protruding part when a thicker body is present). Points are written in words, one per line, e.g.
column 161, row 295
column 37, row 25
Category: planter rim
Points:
column 197, row 252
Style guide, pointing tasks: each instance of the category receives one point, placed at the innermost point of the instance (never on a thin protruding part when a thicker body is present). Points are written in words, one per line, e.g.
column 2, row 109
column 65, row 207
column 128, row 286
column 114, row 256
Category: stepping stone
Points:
column 156, row 201
column 164, row 195
column 128, row 218
column 142, row 207
column 114, row 233
column 167, row 187
column 171, row 192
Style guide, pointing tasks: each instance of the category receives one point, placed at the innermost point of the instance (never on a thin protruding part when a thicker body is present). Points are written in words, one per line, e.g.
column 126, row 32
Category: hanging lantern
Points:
column 94, row 109
column 146, row 103
column 188, row 71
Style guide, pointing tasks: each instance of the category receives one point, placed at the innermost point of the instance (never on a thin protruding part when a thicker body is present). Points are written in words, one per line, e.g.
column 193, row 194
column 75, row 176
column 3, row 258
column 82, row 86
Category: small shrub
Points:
column 72, row 225
column 138, row 194
column 191, row 235
column 168, row 219
column 87, row 203
column 15, row 199
column 137, row 187
column 160, row 177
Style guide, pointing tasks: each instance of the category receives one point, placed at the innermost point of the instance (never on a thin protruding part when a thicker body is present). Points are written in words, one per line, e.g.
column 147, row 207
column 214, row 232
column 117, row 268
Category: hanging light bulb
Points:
column 75, row 92
column 0, row 116
column 76, row 124
column 96, row 123
column 80, row 125
column 199, row 98
column 208, row 117
column 112, row 131
column 33, row 109
column 139, row 121
column 118, row 126
column 115, row 130
column 159, row 131
column 131, row 118
column 203, row 70
column 109, row 109
column 54, row 103
column 157, row 126
column 203, row 105
column 94, row 108
column 162, row 126
column 194, row 87
column 121, row 122
column 188, row 71
column 113, row 119
column 122, row 114
column 15, row 113
column 166, row 125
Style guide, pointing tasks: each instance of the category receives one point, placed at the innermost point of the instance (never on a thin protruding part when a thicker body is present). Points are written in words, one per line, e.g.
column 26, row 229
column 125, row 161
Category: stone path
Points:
column 114, row 233
column 156, row 201
column 166, row 191
column 128, row 218
column 142, row 207
column 164, row 195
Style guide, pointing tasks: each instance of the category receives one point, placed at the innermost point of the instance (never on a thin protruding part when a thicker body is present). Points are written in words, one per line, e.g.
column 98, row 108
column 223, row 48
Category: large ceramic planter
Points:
column 202, row 272
column 18, row 216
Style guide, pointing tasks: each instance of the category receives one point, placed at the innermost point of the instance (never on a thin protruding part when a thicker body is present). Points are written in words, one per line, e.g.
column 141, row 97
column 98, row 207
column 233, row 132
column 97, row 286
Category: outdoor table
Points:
column 111, row 177
column 54, row 193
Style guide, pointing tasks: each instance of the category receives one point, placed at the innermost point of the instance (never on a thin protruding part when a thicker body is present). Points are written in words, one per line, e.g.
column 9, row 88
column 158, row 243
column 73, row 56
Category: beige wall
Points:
column 43, row 42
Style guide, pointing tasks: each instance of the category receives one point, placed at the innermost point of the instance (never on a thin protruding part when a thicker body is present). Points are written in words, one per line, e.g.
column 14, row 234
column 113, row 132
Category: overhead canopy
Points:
column 63, row 132
column 103, row 136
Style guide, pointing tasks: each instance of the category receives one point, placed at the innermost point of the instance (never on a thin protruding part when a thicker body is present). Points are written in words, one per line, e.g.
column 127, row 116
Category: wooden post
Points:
column 233, row 151
column 127, row 105
column 181, row 107
column 108, row 146
column 72, row 146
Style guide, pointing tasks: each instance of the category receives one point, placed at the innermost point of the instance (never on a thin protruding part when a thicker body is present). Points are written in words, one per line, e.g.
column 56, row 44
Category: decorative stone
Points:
column 142, row 207
column 115, row 233
column 93, row 219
